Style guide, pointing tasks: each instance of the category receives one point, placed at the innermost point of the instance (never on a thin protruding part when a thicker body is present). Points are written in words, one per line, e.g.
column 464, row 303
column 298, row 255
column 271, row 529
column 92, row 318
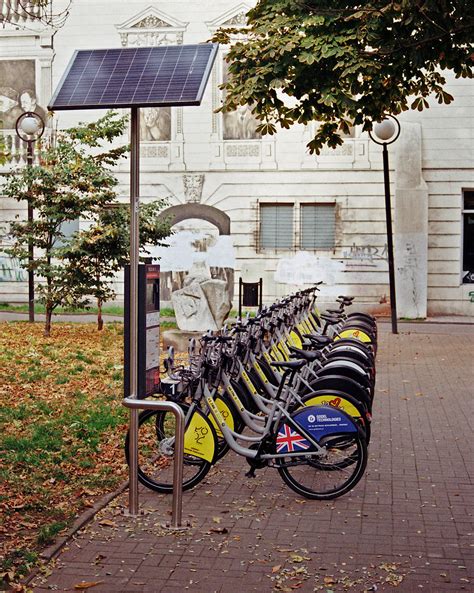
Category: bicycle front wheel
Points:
column 322, row 477
column 156, row 432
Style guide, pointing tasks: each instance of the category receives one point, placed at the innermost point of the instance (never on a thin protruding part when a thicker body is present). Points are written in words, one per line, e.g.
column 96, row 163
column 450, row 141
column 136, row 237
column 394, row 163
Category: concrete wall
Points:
column 241, row 174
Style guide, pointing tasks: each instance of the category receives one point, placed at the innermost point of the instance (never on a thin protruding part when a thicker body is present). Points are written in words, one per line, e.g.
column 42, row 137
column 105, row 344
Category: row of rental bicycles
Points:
column 290, row 389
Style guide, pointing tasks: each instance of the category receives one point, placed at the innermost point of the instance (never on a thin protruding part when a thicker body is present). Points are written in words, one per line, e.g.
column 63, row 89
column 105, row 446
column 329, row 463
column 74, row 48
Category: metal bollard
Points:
column 137, row 404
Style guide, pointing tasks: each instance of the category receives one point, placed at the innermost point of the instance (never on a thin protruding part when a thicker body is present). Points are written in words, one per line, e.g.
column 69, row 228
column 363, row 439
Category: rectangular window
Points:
column 67, row 229
column 468, row 237
column 276, row 226
column 318, row 225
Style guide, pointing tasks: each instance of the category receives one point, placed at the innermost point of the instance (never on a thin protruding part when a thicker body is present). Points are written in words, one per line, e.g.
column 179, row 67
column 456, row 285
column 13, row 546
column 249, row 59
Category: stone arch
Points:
column 185, row 211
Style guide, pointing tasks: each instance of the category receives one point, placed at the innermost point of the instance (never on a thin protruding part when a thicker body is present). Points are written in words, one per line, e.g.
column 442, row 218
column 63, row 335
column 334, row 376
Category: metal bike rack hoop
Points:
column 141, row 404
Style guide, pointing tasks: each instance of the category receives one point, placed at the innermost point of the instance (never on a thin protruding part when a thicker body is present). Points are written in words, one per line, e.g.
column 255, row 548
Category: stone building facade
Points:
column 289, row 217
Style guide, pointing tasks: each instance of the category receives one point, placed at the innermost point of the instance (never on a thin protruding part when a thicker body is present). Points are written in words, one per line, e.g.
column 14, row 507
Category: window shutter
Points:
column 276, row 226
column 318, row 224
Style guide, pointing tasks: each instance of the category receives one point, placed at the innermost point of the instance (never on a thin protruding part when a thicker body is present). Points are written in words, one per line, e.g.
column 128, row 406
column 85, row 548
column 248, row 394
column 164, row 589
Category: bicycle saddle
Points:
column 308, row 355
column 293, row 365
column 318, row 339
column 331, row 319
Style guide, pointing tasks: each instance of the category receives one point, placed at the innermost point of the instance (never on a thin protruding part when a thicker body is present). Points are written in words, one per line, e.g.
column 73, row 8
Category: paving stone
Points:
column 412, row 510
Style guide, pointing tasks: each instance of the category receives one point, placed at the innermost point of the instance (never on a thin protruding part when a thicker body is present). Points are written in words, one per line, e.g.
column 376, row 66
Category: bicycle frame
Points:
column 278, row 411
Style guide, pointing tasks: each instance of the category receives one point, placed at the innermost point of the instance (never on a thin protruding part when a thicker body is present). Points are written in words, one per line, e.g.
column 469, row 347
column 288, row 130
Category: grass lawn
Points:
column 62, row 427
column 107, row 309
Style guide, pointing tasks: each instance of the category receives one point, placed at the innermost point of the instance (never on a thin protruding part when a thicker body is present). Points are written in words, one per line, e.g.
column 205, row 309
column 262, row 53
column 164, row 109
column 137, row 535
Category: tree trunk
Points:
column 100, row 321
column 47, row 325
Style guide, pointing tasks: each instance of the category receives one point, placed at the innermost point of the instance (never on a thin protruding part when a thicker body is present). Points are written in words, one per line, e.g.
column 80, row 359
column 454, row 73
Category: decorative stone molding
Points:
column 151, row 27
column 238, row 20
column 346, row 149
column 235, row 17
column 193, row 184
column 160, row 151
column 151, row 22
column 352, row 154
column 150, row 39
column 242, row 150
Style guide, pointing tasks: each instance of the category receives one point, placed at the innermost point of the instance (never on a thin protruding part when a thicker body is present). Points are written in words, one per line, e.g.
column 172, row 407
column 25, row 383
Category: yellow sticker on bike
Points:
column 296, row 339
column 235, row 397
column 261, row 374
column 358, row 334
column 335, row 401
column 226, row 413
column 249, row 383
column 199, row 438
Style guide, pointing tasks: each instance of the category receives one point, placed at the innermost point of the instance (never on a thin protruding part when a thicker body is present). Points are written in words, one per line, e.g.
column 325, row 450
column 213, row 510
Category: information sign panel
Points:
column 148, row 330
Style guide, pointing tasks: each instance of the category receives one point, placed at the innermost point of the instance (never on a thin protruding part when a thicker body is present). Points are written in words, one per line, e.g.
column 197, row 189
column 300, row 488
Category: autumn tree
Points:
column 345, row 63
column 72, row 180
column 96, row 254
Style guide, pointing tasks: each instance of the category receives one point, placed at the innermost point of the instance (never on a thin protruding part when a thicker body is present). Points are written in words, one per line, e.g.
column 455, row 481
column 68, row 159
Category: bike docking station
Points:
column 120, row 78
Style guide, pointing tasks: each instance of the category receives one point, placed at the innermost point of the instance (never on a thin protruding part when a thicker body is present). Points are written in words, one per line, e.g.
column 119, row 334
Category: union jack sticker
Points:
column 289, row 441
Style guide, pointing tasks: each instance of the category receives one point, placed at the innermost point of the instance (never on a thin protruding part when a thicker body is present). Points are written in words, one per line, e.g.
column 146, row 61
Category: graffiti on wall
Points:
column 10, row 270
column 365, row 255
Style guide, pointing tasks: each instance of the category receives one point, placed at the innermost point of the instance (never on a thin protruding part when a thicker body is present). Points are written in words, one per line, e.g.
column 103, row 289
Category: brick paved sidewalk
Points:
column 406, row 527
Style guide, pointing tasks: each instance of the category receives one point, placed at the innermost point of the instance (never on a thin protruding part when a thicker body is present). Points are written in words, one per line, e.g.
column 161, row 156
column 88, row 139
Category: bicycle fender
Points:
column 354, row 333
column 200, row 437
column 335, row 400
column 318, row 422
column 324, row 421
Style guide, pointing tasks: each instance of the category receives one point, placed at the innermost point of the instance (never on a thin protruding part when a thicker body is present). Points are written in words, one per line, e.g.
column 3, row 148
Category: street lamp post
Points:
column 385, row 133
column 29, row 128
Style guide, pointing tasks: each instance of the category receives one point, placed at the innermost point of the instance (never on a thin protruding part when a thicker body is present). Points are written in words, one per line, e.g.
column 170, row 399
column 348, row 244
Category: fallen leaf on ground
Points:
column 107, row 523
column 219, row 530
column 87, row 585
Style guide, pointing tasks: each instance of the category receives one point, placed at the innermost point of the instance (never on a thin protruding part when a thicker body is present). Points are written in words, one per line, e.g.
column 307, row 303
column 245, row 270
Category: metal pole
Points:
column 135, row 405
column 388, row 216
column 31, row 276
column 134, row 248
column 240, row 298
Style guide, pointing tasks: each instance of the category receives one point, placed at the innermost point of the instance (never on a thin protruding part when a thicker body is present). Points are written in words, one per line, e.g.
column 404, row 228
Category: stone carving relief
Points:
column 242, row 150
column 155, row 124
column 150, row 38
column 193, row 184
column 238, row 20
column 203, row 303
column 346, row 149
column 155, row 151
column 151, row 28
column 197, row 274
column 151, row 22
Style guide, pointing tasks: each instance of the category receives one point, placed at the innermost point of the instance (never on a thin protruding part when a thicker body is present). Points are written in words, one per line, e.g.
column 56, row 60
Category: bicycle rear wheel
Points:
column 156, row 430
column 323, row 478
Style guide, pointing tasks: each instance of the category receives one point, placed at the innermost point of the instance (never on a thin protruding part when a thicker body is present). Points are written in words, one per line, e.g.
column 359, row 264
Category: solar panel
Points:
column 135, row 77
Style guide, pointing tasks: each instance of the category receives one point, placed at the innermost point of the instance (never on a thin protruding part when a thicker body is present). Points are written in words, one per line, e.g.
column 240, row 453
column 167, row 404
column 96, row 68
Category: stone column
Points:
column 410, row 225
